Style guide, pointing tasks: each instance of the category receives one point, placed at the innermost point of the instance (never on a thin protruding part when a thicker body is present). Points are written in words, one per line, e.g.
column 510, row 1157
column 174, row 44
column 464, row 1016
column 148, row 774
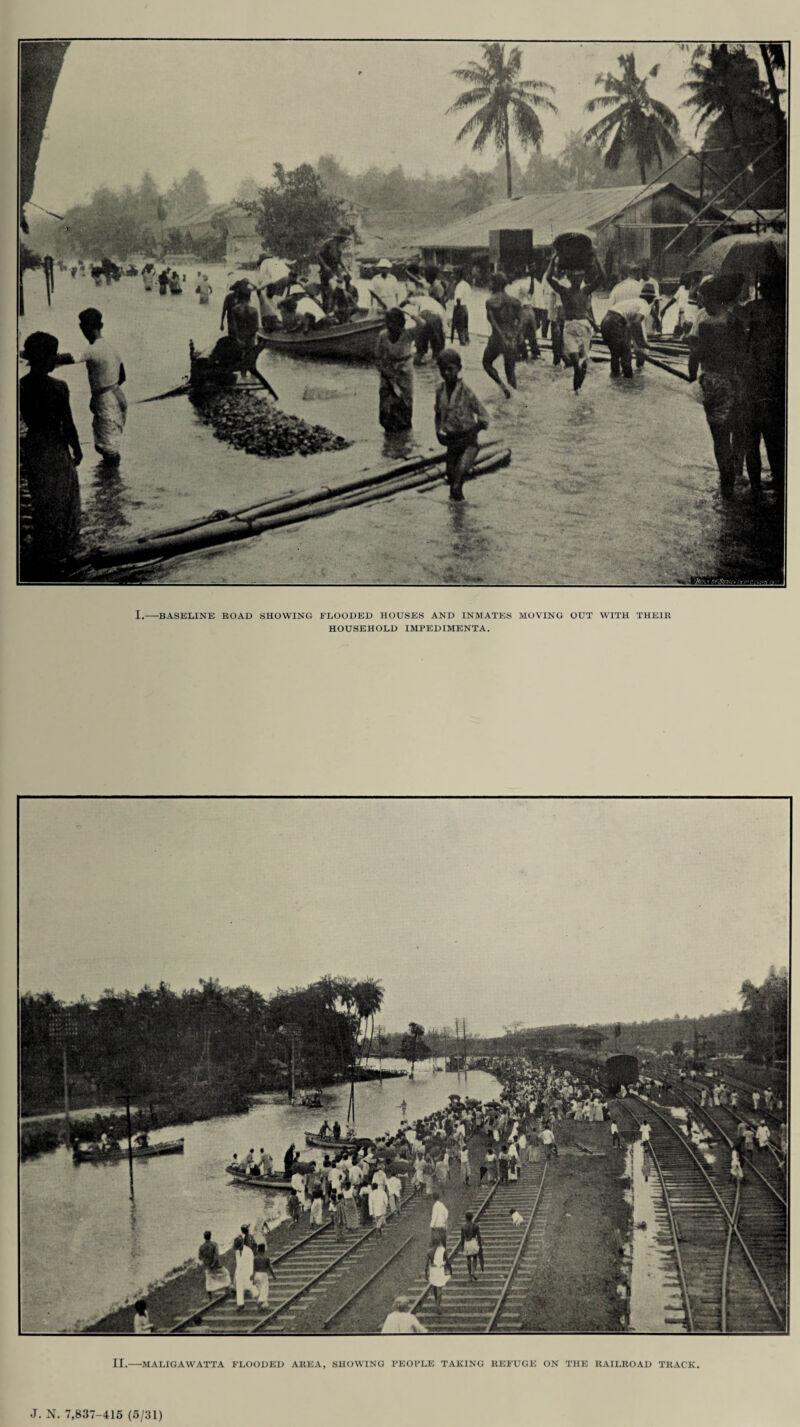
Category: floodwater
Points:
column 613, row 486
column 656, row 1305
column 86, row 1248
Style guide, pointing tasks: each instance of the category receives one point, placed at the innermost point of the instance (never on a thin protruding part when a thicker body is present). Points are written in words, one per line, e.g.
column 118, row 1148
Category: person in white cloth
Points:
column 108, row 403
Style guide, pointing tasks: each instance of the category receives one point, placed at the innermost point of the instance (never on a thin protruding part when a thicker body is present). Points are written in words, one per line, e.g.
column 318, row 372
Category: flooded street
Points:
column 614, row 486
column 86, row 1248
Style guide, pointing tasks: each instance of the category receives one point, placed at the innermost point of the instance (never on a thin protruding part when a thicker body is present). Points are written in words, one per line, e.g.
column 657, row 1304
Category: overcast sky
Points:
column 231, row 109
column 534, row 910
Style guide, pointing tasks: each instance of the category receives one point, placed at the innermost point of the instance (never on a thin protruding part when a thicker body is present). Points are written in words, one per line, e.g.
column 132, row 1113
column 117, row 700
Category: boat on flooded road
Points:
column 349, row 342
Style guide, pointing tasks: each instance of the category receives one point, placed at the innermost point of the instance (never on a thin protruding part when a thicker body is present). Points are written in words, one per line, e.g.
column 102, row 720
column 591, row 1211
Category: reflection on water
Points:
column 85, row 1248
column 616, row 485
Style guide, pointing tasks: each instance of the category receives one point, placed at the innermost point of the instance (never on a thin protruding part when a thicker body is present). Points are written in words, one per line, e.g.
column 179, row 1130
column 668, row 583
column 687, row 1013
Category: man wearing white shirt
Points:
column 622, row 327
column 385, row 287
column 630, row 286
column 439, row 1214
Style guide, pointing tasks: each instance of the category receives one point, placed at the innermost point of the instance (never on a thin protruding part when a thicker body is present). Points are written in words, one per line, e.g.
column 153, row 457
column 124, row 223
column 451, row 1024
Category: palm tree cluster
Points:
column 733, row 106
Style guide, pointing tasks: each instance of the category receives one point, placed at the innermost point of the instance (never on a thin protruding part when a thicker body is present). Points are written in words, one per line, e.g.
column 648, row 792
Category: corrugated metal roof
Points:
column 546, row 213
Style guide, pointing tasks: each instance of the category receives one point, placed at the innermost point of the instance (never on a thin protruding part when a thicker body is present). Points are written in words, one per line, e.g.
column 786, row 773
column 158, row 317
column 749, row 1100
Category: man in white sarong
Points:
column 106, row 375
column 243, row 1272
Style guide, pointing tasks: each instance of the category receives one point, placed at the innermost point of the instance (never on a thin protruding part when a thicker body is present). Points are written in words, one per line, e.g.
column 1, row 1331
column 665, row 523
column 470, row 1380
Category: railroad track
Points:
column 494, row 1303
column 769, row 1165
column 729, row 1283
column 745, row 1094
column 307, row 1269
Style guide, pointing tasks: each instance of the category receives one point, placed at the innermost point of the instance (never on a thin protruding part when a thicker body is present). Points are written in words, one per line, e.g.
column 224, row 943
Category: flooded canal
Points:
column 86, row 1248
column 614, row 486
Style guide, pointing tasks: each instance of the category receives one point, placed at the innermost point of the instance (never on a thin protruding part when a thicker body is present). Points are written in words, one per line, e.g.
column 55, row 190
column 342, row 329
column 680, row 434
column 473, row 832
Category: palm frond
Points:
column 468, row 97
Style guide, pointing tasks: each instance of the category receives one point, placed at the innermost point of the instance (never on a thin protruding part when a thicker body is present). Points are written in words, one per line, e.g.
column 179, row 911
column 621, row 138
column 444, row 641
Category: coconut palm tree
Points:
column 368, row 995
column 504, row 102
column 415, row 1033
column 635, row 121
column 774, row 57
column 724, row 83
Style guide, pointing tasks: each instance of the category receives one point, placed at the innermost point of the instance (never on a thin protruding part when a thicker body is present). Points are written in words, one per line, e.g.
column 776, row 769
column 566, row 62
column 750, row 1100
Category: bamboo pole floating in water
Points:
column 322, row 501
column 277, row 504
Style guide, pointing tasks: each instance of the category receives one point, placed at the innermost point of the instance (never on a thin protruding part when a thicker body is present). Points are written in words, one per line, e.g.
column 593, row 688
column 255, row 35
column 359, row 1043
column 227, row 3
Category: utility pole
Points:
column 458, row 1056
column 380, row 1055
column 67, row 1126
column 130, row 1138
column 62, row 1027
column 464, row 1029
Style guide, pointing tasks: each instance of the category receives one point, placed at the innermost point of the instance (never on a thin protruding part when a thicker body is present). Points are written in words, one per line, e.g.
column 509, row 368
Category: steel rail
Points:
column 722, row 1206
column 367, row 1281
column 518, row 1255
column 220, row 1298
column 456, row 1248
column 673, row 1228
column 704, row 1110
column 726, row 1259
column 310, row 1282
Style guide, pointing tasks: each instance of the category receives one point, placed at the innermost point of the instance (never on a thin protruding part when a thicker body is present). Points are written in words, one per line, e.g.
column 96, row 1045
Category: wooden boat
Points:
column 349, row 342
column 259, row 1181
column 93, row 1154
column 344, row 1142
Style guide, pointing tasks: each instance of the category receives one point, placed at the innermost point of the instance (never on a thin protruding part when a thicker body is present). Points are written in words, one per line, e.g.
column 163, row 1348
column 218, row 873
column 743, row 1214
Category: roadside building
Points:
column 629, row 225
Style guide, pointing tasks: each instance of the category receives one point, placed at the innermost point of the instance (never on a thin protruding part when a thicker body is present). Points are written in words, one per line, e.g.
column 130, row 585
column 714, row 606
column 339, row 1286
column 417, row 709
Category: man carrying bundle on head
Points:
column 575, row 291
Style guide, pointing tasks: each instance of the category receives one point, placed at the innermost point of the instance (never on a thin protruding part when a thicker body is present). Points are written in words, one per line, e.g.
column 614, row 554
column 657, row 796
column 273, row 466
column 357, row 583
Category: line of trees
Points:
column 765, row 1012
column 134, row 218
column 209, row 1047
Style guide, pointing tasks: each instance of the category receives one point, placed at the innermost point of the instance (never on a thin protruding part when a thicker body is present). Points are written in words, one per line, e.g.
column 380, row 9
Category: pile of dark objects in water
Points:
column 249, row 422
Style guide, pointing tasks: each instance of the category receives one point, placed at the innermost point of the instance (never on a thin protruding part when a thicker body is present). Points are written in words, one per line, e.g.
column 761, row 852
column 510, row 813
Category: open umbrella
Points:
column 751, row 254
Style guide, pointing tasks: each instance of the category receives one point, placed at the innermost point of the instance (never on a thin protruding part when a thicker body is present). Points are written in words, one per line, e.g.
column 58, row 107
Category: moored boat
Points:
column 93, row 1154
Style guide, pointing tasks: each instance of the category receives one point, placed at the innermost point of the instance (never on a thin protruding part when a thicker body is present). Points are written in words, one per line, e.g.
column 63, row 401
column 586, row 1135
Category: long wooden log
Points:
column 306, row 496
column 324, row 501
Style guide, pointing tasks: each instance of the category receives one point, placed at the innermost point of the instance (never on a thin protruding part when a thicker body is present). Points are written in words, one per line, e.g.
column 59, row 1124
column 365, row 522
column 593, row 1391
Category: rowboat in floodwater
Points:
column 349, row 342
column 94, row 1154
column 258, row 1181
column 329, row 1142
